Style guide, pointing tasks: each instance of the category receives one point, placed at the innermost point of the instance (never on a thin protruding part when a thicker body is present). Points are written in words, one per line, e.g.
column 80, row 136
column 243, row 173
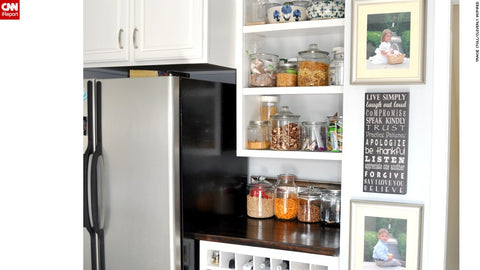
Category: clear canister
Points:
column 284, row 130
column 334, row 133
column 313, row 67
column 268, row 107
column 263, row 69
column 337, row 67
column 260, row 198
column 286, row 204
column 313, row 136
column 257, row 135
column 331, row 200
column 309, row 205
column 287, row 75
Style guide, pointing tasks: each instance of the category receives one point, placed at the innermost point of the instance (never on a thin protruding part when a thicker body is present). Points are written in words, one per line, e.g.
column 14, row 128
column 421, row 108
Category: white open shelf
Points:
column 290, row 154
column 299, row 90
column 242, row 254
column 298, row 28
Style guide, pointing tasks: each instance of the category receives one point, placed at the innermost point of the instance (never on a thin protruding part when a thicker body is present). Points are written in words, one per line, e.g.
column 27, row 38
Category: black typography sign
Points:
column 386, row 142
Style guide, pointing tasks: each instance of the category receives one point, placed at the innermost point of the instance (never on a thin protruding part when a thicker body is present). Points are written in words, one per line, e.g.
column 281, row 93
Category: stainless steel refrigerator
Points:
column 158, row 153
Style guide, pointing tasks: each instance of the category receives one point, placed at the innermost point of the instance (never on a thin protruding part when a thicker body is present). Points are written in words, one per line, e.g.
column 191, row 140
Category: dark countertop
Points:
column 268, row 233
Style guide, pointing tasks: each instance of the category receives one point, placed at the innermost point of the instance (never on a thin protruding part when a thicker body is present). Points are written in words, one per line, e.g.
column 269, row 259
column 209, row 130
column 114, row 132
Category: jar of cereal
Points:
column 286, row 205
column 313, row 67
column 287, row 75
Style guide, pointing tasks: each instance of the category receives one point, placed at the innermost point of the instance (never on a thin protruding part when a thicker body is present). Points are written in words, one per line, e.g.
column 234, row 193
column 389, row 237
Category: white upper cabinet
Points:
column 156, row 32
column 105, row 31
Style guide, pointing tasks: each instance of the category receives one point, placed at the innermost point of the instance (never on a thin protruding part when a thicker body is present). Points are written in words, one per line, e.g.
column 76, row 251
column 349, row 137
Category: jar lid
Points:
column 258, row 123
column 313, row 123
column 260, row 183
column 333, row 191
column 269, row 98
column 310, row 193
column 284, row 113
column 338, row 50
column 288, row 65
column 313, row 51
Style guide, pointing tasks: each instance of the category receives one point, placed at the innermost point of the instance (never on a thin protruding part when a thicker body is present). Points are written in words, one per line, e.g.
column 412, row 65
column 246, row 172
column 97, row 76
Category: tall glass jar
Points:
column 268, row 107
column 284, row 130
column 331, row 200
column 309, row 205
column 337, row 67
column 260, row 198
column 257, row 135
column 256, row 12
column 286, row 205
column 313, row 136
column 263, row 69
column 335, row 133
column 313, row 67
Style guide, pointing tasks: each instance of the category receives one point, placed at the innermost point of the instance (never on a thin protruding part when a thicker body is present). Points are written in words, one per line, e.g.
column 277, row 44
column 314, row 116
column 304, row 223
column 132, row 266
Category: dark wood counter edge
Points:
column 266, row 244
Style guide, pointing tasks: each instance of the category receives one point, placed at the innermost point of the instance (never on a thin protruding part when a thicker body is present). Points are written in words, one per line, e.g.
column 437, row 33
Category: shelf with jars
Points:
column 293, row 61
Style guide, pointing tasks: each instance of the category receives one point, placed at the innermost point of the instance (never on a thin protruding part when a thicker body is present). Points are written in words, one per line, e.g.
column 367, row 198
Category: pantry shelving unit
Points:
column 311, row 103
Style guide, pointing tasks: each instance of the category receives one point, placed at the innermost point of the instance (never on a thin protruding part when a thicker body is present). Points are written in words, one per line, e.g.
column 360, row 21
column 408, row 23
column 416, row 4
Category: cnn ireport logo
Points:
column 9, row 9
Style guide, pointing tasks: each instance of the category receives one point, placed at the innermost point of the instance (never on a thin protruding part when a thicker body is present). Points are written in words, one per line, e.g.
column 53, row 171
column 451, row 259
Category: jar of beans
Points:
column 284, row 130
column 286, row 202
column 260, row 198
column 309, row 205
column 313, row 67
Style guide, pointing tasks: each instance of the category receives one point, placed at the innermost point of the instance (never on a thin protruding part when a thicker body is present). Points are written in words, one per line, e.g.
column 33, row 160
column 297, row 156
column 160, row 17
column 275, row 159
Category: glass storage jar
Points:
column 313, row 136
column 257, row 135
column 313, row 67
column 287, row 75
column 256, row 12
column 335, row 133
column 331, row 207
column 337, row 67
column 268, row 107
column 286, row 204
column 263, row 69
column 284, row 130
column 260, row 198
column 309, row 205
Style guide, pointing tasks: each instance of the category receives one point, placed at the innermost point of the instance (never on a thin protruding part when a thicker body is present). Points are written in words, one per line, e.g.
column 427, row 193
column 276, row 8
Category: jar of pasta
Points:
column 268, row 107
column 313, row 67
column 287, row 75
column 286, row 204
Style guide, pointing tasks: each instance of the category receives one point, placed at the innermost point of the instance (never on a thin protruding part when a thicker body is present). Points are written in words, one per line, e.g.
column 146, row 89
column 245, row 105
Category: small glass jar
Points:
column 331, row 202
column 263, row 70
column 260, row 198
column 337, row 67
column 309, row 205
column 287, row 75
column 257, row 135
column 334, row 133
column 313, row 67
column 255, row 12
column 286, row 204
column 268, row 107
column 215, row 257
column 313, row 136
column 284, row 130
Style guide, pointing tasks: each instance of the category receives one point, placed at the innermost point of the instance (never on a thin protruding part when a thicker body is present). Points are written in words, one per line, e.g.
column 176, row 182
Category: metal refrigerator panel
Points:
column 140, row 185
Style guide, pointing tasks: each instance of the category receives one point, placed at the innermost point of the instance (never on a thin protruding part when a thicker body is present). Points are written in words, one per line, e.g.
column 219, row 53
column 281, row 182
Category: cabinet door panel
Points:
column 105, row 33
column 168, row 30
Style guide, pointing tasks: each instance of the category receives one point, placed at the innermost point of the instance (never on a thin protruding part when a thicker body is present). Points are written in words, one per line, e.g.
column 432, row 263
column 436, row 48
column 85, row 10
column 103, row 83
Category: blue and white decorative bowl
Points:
column 286, row 13
column 327, row 9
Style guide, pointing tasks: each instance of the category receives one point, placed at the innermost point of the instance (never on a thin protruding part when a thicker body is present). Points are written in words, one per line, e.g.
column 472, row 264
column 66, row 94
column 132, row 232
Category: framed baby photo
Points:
column 388, row 40
column 385, row 235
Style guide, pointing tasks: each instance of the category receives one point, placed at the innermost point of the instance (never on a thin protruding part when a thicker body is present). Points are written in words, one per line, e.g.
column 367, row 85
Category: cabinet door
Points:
column 105, row 33
column 169, row 31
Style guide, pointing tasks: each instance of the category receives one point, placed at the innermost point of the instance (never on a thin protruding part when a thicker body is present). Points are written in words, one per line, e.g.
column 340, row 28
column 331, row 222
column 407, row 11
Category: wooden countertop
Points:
column 269, row 233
